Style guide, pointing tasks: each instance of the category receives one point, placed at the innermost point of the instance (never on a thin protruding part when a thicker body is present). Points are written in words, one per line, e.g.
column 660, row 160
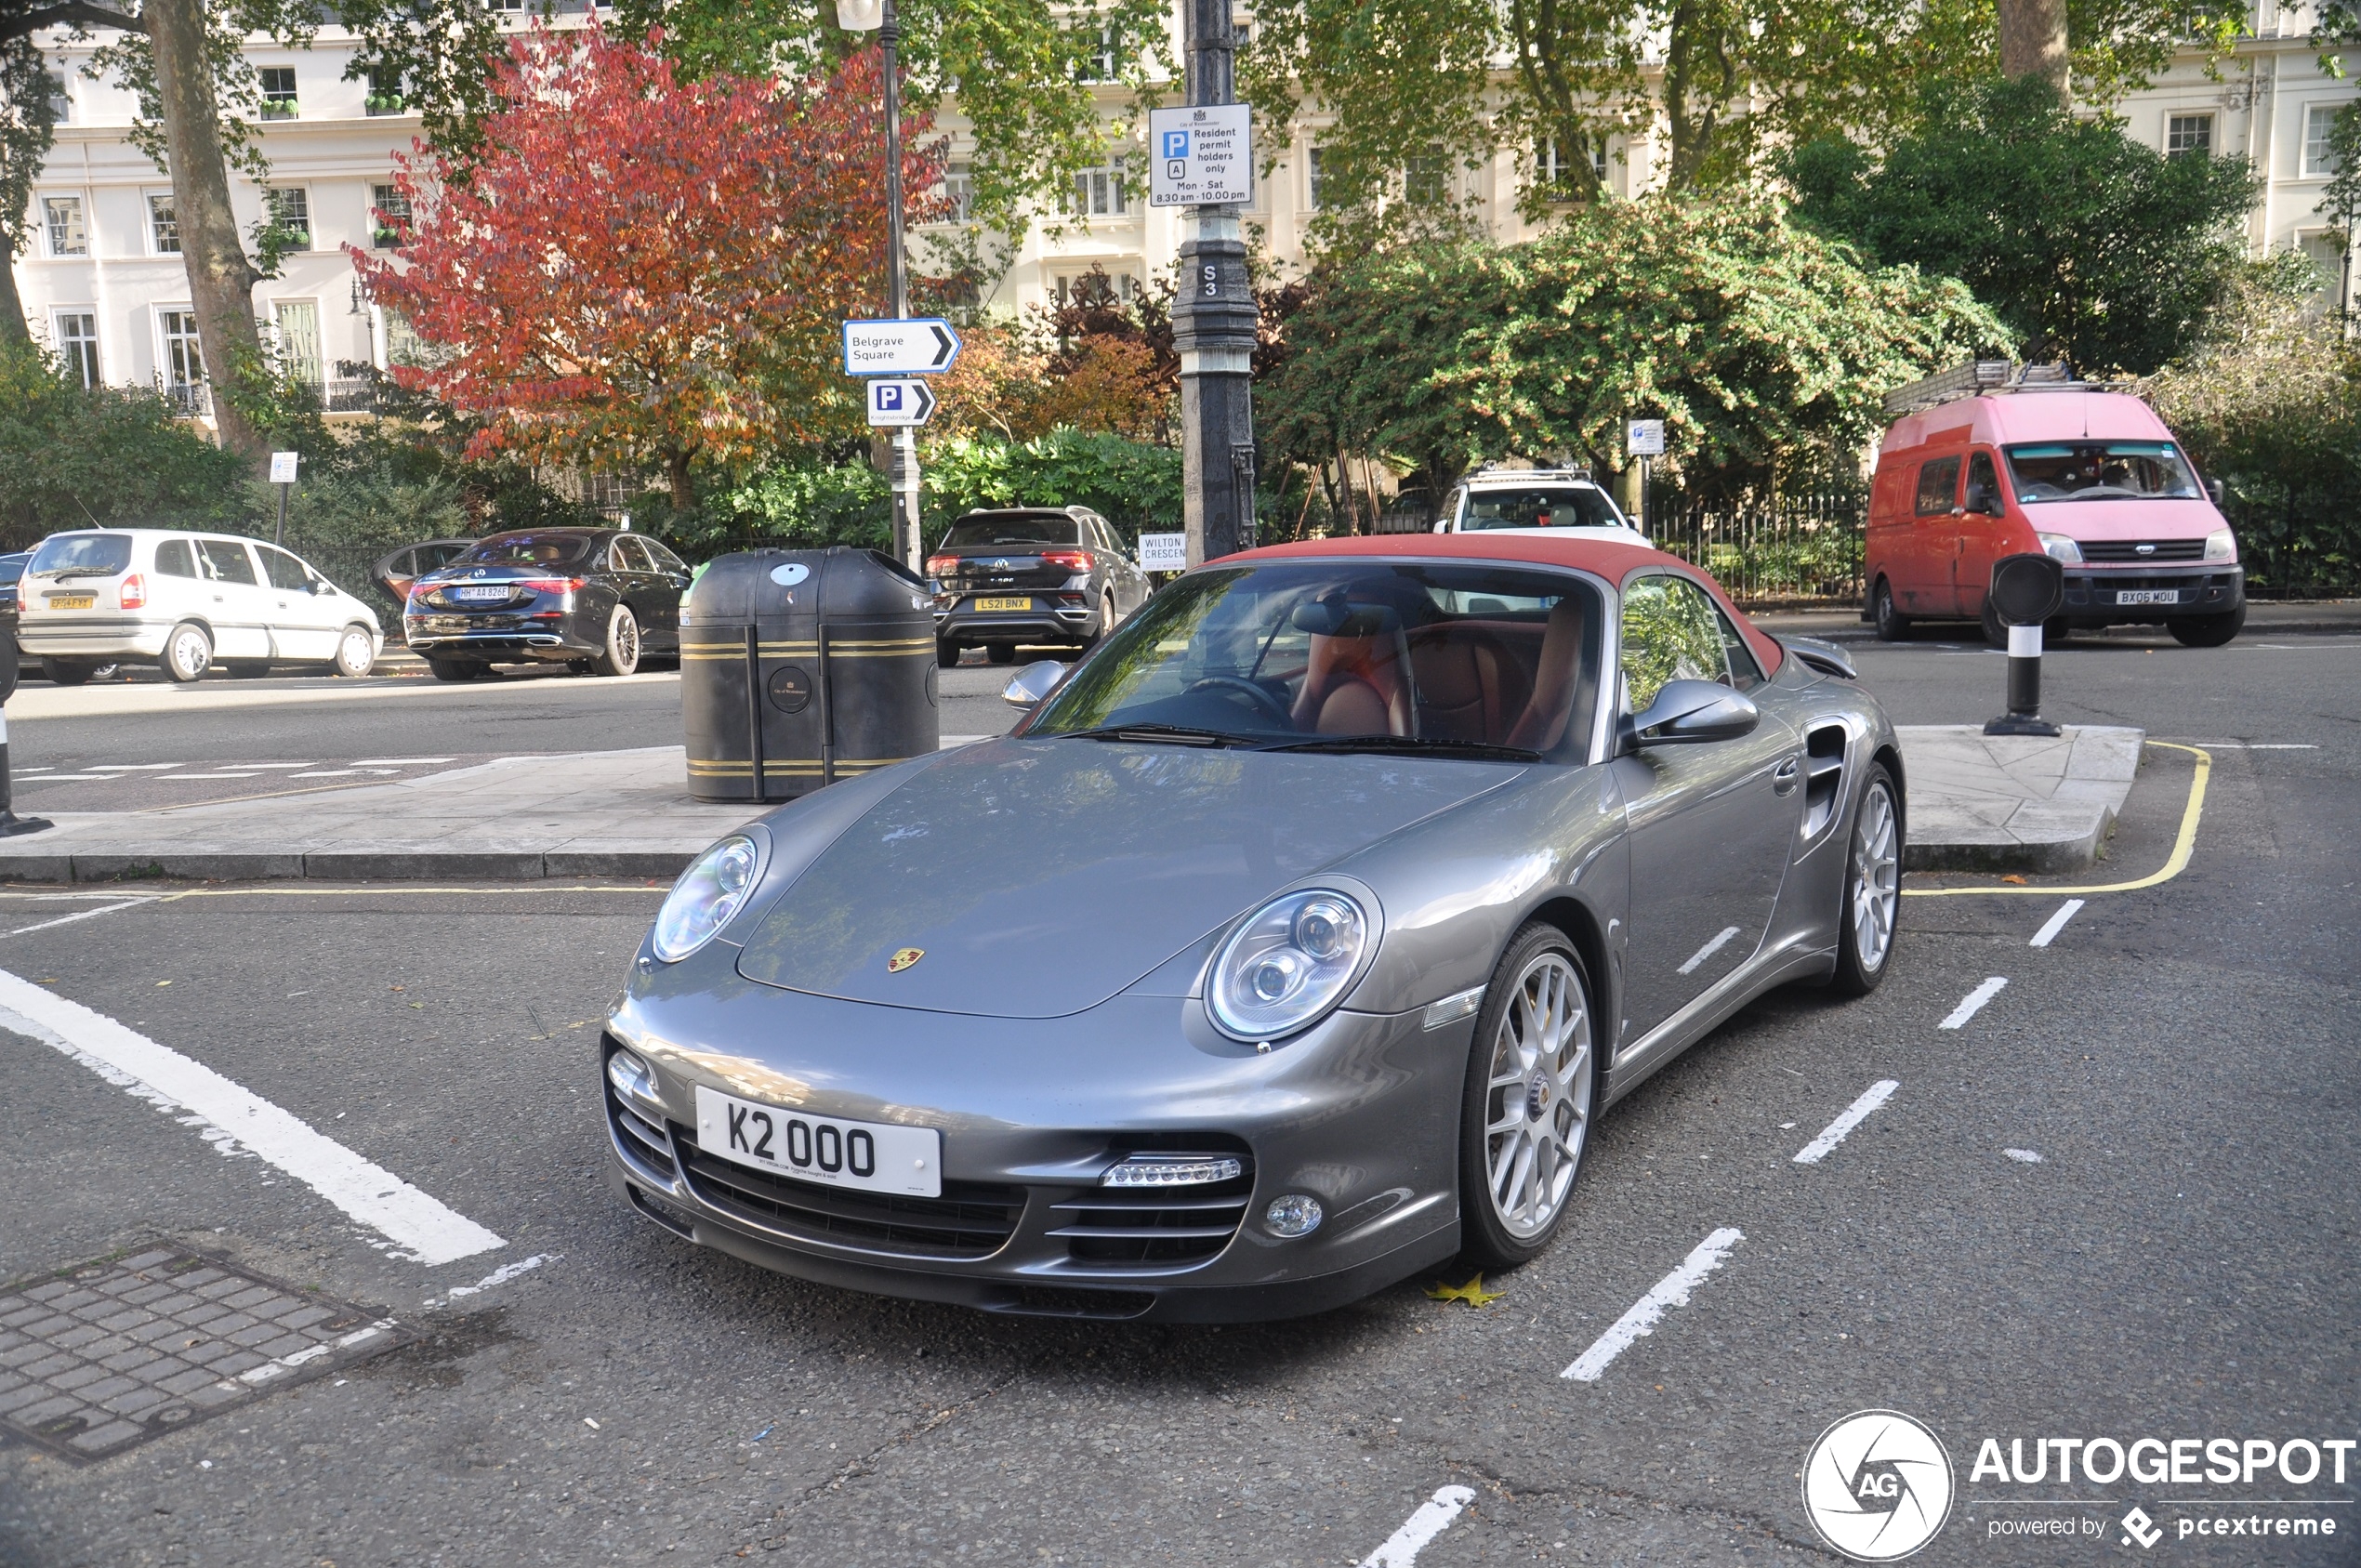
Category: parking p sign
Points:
column 1202, row 155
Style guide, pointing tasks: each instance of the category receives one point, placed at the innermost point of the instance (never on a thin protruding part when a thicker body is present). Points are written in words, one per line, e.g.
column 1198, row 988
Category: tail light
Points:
column 1073, row 561
column 551, row 584
column 135, row 592
column 941, row 565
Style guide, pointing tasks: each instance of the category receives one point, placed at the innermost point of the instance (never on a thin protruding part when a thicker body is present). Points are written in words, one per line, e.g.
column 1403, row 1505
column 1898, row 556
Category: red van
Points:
column 2090, row 476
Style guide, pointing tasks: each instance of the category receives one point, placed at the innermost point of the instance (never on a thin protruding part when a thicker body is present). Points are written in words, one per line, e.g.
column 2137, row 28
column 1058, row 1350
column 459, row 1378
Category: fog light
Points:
column 1297, row 1214
column 1172, row 1170
column 632, row 1079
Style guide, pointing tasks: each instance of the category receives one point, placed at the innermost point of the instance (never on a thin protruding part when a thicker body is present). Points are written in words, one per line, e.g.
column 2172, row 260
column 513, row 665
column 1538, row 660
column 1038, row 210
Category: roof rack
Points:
column 1979, row 377
column 1502, row 472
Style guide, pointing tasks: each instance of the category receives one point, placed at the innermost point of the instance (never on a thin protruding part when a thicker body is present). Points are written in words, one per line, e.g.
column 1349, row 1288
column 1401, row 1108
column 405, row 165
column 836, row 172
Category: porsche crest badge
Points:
column 903, row 958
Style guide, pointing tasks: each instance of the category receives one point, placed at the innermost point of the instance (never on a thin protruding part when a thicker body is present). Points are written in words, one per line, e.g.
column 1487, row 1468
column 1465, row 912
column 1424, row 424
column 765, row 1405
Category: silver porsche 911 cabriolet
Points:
column 1289, row 945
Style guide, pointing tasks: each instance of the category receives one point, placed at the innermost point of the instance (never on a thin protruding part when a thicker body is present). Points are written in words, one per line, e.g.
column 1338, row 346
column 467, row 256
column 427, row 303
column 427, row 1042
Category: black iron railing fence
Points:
column 1797, row 549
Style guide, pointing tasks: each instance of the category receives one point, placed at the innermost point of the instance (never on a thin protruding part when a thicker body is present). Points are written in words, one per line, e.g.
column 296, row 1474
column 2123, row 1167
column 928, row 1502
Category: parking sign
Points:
column 899, row 401
column 1203, row 156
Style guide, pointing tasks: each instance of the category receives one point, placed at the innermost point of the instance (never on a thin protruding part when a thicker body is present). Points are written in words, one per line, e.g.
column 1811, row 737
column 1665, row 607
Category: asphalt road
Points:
column 2180, row 1260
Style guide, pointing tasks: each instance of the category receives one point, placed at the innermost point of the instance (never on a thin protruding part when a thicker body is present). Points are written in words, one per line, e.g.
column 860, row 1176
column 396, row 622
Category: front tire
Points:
column 186, row 654
column 621, row 655
column 356, row 652
column 1872, row 899
column 1892, row 625
column 1526, row 1111
column 2207, row 631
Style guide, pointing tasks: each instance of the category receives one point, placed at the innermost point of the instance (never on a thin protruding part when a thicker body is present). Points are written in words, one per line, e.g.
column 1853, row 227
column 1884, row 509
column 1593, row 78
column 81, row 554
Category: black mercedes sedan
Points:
column 596, row 600
column 1030, row 574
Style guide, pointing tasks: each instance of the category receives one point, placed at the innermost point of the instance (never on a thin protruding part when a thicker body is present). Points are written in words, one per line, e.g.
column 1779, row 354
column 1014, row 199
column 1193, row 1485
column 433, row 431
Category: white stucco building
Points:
column 102, row 281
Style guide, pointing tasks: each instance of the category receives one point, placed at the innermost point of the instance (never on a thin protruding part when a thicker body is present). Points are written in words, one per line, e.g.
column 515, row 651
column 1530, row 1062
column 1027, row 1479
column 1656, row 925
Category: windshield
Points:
column 529, row 549
column 2101, row 470
column 12, row 566
column 985, row 532
column 1574, row 506
column 97, row 555
column 1352, row 655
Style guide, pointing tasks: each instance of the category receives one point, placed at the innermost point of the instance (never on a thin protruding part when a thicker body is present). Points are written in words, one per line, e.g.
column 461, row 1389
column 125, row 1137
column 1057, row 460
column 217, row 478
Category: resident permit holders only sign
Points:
column 1200, row 157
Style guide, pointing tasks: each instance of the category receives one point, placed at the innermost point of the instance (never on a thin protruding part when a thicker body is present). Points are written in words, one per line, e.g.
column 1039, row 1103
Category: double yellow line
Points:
column 2178, row 862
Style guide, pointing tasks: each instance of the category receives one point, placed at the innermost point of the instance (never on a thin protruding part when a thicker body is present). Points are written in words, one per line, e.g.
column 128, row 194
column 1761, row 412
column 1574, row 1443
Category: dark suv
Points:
column 1029, row 575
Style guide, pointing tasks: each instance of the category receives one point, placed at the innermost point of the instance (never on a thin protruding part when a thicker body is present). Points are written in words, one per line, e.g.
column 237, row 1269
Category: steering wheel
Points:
column 1263, row 701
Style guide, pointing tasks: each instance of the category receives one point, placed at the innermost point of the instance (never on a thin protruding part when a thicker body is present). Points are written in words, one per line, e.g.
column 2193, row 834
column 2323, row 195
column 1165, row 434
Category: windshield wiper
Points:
column 74, row 572
column 1439, row 745
column 1170, row 735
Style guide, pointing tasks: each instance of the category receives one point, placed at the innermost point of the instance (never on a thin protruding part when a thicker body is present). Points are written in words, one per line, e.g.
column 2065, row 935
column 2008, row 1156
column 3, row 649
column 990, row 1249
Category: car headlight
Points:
column 2220, row 544
column 1287, row 965
column 2059, row 546
column 709, row 893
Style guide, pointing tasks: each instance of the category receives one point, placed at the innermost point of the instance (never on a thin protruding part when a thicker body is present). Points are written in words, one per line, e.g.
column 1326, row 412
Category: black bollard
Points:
column 2026, row 590
column 10, row 824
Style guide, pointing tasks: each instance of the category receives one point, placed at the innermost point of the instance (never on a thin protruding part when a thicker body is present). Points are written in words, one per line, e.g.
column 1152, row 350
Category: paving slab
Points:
column 2022, row 803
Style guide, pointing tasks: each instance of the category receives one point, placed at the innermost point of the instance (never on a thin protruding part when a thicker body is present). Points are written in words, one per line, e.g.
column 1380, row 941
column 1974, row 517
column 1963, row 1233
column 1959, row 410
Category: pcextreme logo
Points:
column 1876, row 1485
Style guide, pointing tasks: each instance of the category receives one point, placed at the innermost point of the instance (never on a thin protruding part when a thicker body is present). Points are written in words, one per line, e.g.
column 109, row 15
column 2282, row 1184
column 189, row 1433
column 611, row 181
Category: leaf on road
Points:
column 1472, row 1293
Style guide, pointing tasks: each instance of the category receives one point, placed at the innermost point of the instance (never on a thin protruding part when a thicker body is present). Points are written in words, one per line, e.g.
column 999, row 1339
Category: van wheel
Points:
column 1892, row 625
column 186, row 652
column 65, row 672
column 2207, row 631
column 356, row 652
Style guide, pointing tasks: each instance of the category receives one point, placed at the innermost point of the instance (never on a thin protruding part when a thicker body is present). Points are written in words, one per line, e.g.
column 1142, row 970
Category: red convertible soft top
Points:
column 1610, row 559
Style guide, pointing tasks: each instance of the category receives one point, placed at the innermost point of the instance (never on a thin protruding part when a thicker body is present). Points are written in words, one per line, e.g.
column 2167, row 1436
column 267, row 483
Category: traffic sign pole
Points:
column 1214, row 327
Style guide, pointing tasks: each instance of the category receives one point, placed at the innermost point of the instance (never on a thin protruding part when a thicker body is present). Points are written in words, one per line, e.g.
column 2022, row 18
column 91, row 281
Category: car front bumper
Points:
column 1360, row 1113
column 2208, row 589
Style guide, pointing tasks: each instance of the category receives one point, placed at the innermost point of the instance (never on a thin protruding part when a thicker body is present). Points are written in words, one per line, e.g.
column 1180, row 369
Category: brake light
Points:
column 135, row 592
column 1073, row 561
column 940, row 565
column 552, row 584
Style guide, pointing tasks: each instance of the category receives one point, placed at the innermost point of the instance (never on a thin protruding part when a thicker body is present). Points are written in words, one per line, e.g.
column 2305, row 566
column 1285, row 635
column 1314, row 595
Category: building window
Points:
column 385, row 94
column 508, row 7
column 60, row 99
column 163, row 228
column 2319, row 150
column 297, row 324
column 1312, row 176
column 403, row 346
column 62, row 217
column 78, row 343
column 1098, row 193
column 1098, row 60
column 1096, row 287
column 1556, row 165
column 183, row 357
column 1425, row 180
column 278, row 92
column 2188, row 133
column 389, row 217
column 290, row 210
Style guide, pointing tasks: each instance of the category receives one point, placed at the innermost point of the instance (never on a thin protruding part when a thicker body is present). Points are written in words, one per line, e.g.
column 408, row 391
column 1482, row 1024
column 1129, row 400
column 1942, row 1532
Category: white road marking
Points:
column 2023, row 1156
column 1973, row 1003
column 270, row 1369
column 70, row 919
column 1433, row 1516
column 170, row 778
column 1668, row 1292
column 498, row 1276
column 134, row 767
column 398, row 761
column 61, row 778
column 2056, row 923
column 236, row 1120
column 2258, row 745
column 1877, row 1094
column 326, row 773
column 1709, row 949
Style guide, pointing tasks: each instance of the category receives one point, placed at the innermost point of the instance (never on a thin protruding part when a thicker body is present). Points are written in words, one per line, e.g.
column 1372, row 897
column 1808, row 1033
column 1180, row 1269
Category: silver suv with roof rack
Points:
column 1543, row 500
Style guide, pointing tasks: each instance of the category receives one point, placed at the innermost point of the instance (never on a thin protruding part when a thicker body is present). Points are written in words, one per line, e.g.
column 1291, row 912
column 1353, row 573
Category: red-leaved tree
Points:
column 636, row 270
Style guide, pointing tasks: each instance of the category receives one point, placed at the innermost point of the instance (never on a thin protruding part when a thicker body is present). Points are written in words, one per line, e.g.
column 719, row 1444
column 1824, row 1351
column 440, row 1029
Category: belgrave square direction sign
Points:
column 914, row 345
column 1199, row 155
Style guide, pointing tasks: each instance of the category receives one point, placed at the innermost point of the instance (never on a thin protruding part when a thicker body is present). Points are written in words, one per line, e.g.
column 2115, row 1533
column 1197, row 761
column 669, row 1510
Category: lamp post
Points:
column 1214, row 331
column 877, row 16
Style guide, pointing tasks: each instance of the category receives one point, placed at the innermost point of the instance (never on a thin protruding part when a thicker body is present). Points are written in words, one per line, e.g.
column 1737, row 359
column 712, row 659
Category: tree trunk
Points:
column 12, row 327
column 221, row 279
column 676, row 468
column 2033, row 41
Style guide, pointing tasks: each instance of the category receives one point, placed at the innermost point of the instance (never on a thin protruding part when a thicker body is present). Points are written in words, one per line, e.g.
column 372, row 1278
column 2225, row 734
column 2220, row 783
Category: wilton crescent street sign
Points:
column 917, row 345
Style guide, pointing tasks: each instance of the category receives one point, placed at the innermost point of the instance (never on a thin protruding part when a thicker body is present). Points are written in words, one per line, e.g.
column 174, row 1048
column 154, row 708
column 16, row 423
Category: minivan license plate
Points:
column 72, row 600
column 2148, row 595
column 870, row 1155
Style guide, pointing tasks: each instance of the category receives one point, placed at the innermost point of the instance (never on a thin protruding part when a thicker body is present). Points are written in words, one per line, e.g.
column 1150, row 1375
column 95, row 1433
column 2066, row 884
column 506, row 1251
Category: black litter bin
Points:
column 801, row 667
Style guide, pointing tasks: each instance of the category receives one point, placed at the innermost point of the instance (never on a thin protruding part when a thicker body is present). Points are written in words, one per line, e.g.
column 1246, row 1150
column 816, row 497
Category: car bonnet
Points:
column 1037, row 878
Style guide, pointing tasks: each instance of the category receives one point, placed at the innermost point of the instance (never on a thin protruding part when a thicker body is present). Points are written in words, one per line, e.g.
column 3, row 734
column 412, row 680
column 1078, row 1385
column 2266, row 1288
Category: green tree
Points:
column 1764, row 348
column 2088, row 243
column 25, row 122
column 70, row 457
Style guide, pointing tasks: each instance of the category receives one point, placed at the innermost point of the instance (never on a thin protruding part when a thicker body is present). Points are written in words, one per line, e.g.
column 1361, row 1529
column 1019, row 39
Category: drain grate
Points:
column 96, row 1358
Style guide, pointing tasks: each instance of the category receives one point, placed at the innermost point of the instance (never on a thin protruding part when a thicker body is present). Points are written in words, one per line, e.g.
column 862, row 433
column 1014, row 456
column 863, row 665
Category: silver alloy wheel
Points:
column 191, row 652
column 1876, row 880
column 1536, row 1107
column 355, row 651
column 622, row 640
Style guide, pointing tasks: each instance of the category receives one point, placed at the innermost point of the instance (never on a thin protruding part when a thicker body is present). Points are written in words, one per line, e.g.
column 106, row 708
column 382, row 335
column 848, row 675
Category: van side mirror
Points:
column 1981, row 499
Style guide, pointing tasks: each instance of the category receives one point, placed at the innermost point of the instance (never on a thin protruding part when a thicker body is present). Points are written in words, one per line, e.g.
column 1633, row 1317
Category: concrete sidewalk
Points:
column 2265, row 618
column 1974, row 805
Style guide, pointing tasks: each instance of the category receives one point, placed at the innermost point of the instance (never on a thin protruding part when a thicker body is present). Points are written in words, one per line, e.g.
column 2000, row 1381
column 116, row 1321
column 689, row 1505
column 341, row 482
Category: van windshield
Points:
column 81, row 554
column 2101, row 470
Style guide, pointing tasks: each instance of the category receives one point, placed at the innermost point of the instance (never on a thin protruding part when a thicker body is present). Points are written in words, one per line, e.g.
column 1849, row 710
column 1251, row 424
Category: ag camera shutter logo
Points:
column 1876, row 1485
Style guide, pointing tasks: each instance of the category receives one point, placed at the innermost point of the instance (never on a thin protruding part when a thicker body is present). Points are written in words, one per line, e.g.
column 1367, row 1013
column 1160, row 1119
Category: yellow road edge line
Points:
column 2176, row 863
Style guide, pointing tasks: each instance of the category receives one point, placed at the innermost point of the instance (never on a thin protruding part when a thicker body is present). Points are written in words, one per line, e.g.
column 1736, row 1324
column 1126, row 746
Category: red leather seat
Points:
column 1356, row 686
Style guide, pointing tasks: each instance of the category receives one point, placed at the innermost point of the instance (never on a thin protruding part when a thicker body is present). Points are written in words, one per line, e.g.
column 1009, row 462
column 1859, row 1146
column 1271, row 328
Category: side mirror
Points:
column 1688, row 712
column 2213, row 488
column 321, row 586
column 1981, row 499
column 1029, row 685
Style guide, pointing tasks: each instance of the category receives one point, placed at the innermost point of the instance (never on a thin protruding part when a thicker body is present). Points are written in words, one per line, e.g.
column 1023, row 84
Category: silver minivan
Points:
column 187, row 600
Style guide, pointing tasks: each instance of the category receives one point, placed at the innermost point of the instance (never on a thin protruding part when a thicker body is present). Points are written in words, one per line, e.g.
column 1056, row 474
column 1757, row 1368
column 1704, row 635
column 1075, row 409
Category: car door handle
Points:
column 1788, row 773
